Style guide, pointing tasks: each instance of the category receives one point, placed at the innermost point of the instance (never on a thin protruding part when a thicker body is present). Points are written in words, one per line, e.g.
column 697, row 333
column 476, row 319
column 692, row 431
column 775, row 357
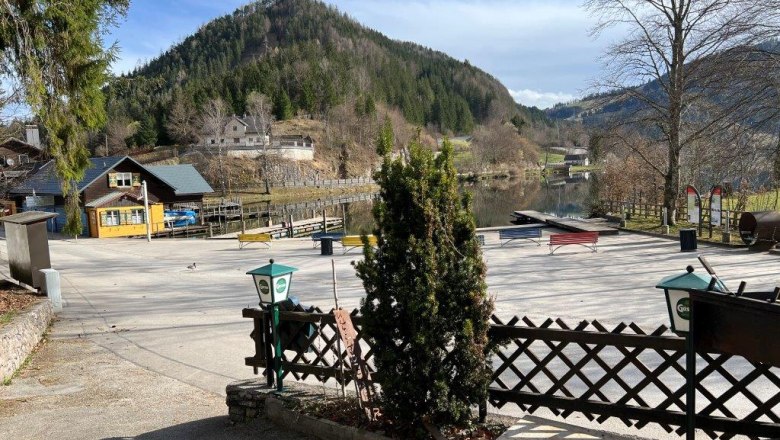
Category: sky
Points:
column 539, row 49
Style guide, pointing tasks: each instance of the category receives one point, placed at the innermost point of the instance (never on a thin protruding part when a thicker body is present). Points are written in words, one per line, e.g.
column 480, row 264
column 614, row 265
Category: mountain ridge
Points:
column 318, row 57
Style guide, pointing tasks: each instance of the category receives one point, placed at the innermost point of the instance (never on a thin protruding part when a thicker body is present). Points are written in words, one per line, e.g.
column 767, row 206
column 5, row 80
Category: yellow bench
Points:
column 245, row 239
column 350, row 242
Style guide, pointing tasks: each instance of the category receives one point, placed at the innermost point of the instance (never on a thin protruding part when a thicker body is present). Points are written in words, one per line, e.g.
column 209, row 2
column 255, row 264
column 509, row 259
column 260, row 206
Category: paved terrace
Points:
column 139, row 300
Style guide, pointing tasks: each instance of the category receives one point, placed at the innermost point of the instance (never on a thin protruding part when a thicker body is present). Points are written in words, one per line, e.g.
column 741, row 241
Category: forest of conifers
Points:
column 308, row 57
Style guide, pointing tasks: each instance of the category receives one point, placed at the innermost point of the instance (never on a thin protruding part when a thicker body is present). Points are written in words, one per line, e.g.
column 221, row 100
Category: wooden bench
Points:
column 245, row 239
column 533, row 234
column 316, row 237
column 352, row 241
column 587, row 239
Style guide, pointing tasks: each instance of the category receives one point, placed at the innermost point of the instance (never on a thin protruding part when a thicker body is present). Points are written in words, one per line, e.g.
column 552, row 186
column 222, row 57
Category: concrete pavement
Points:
column 138, row 300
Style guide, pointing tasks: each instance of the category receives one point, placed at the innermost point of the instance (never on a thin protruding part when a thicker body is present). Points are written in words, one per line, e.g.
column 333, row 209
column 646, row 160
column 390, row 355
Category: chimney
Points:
column 32, row 136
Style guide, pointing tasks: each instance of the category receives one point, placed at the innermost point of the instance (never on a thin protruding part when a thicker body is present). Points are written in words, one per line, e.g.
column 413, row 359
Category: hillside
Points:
column 318, row 58
column 598, row 109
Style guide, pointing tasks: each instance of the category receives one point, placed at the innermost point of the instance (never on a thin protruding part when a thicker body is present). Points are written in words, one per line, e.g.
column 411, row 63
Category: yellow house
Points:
column 121, row 214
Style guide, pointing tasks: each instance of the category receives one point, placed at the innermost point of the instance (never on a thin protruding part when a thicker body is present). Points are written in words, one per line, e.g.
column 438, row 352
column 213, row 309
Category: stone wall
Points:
column 251, row 398
column 20, row 336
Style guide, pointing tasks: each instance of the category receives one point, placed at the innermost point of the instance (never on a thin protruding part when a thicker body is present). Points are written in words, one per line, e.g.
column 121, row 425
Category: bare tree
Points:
column 213, row 119
column 181, row 123
column 118, row 130
column 707, row 65
column 499, row 144
column 259, row 111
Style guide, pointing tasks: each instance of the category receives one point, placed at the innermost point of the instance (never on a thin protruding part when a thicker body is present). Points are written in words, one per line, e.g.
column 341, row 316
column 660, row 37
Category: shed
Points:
column 28, row 246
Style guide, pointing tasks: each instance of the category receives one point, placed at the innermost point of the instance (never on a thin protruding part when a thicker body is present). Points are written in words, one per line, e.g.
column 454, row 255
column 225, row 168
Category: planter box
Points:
column 736, row 325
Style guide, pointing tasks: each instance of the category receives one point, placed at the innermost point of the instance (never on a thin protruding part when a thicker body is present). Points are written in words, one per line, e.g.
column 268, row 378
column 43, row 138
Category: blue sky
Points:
column 539, row 49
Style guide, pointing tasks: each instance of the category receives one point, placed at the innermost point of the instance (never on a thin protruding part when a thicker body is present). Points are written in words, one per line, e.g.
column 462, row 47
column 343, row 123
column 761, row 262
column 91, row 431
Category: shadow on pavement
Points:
column 218, row 428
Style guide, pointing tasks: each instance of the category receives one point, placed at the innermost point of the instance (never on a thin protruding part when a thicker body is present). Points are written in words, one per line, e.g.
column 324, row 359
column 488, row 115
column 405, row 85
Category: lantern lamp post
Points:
column 273, row 284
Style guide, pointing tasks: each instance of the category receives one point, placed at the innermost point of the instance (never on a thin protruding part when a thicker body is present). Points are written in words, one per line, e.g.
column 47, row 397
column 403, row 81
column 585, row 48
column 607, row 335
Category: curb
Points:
column 319, row 428
column 20, row 336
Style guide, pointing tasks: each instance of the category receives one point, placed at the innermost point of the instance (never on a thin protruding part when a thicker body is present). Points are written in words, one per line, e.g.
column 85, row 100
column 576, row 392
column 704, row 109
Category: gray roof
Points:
column 27, row 217
column 100, row 201
column 184, row 179
column 46, row 181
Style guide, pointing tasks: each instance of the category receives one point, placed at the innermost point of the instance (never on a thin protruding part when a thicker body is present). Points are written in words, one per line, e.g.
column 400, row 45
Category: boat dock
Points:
column 298, row 228
column 568, row 224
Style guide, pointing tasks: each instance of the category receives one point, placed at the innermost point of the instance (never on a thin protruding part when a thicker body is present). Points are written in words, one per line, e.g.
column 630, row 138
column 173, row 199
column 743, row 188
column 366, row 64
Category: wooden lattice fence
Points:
column 591, row 369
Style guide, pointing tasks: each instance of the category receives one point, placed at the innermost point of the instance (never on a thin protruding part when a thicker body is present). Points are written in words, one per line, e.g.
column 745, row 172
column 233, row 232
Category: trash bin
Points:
column 687, row 240
column 326, row 245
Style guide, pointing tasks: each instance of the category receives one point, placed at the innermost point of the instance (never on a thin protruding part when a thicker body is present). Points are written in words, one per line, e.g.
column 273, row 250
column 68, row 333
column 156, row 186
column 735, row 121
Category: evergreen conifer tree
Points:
column 282, row 106
column 426, row 311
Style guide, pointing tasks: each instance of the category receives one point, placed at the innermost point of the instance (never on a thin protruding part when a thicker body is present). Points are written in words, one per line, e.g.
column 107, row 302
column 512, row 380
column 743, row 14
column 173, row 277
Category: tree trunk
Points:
column 676, row 90
column 672, row 187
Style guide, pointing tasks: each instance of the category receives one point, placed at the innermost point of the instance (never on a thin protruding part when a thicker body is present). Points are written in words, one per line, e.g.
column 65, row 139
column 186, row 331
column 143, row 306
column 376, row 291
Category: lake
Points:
column 492, row 202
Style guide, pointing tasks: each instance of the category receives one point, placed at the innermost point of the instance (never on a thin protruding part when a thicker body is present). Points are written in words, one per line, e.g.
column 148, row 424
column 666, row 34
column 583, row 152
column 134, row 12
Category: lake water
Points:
column 492, row 201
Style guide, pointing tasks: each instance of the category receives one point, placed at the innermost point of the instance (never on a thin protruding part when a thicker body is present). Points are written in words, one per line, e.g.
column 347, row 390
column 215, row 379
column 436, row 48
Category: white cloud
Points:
column 540, row 99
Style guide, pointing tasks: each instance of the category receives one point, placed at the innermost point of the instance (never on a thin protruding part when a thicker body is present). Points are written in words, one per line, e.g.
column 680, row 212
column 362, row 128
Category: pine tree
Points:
column 55, row 52
column 426, row 309
column 282, row 106
column 147, row 133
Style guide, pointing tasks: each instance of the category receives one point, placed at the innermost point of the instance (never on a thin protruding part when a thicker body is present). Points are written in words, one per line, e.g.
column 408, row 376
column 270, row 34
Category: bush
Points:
column 426, row 311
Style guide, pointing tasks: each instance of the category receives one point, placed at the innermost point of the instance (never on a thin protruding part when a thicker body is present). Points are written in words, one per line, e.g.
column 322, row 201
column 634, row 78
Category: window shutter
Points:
column 136, row 179
column 103, row 218
column 112, row 180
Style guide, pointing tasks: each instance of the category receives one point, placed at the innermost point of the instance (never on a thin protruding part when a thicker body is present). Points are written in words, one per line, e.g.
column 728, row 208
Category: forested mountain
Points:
column 309, row 57
column 597, row 109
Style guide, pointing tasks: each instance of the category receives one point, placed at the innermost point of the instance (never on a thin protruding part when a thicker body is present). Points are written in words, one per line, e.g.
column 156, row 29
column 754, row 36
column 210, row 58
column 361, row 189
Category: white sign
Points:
column 693, row 204
column 716, row 206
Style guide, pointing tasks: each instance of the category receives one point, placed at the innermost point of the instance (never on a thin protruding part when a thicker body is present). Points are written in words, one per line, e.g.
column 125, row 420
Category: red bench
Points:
column 587, row 239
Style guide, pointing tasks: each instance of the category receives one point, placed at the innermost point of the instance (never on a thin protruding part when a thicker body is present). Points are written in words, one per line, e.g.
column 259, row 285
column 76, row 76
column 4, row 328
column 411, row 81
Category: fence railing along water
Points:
column 655, row 210
column 621, row 372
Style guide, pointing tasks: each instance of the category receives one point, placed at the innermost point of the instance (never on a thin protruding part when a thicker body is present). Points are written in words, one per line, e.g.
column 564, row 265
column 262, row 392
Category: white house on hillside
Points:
column 577, row 159
column 240, row 137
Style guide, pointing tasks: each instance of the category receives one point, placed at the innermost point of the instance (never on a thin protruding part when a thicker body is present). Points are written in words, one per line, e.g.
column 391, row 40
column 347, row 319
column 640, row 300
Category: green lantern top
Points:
column 272, row 270
column 688, row 281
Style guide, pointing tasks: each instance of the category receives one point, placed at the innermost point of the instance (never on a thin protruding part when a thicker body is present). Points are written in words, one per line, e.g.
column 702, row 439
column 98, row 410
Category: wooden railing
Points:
column 589, row 369
column 322, row 183
column 654, row 210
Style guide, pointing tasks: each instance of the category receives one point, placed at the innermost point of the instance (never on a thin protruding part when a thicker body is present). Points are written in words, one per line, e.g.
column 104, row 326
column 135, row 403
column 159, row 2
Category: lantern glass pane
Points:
column 263, row 285
column 680, row 308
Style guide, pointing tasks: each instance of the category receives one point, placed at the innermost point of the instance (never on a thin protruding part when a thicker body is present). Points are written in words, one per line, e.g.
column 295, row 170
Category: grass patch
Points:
column 763, row 201
column 552, row 158
column 652, row 225
column 7, row 317
column 581, row 168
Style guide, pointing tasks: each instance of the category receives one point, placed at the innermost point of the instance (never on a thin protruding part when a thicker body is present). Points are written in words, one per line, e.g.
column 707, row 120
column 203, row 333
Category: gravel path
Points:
column 74, row 389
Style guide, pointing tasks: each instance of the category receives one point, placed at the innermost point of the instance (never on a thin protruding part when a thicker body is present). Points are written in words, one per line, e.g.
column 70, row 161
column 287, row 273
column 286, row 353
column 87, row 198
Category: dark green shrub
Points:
column 426, row 309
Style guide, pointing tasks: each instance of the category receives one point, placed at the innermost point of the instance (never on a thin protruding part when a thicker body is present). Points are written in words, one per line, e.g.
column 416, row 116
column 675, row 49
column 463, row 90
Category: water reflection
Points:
column 492, row 202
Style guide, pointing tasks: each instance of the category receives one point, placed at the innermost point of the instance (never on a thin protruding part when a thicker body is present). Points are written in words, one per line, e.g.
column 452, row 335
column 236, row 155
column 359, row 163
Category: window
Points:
column 137, row 216
column 124, row 179
column 213, row 140
column 23, row 158
column 235, row 128
column 221, row 141
column 250, row 139
column 236, row 140
column 110, row 218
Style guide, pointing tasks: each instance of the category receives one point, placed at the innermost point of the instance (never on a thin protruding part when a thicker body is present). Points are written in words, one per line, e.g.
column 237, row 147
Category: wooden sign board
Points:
column 360, row 371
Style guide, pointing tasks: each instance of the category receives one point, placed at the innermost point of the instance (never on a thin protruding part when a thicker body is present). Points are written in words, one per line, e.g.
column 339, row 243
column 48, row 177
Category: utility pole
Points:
column 146, row 212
